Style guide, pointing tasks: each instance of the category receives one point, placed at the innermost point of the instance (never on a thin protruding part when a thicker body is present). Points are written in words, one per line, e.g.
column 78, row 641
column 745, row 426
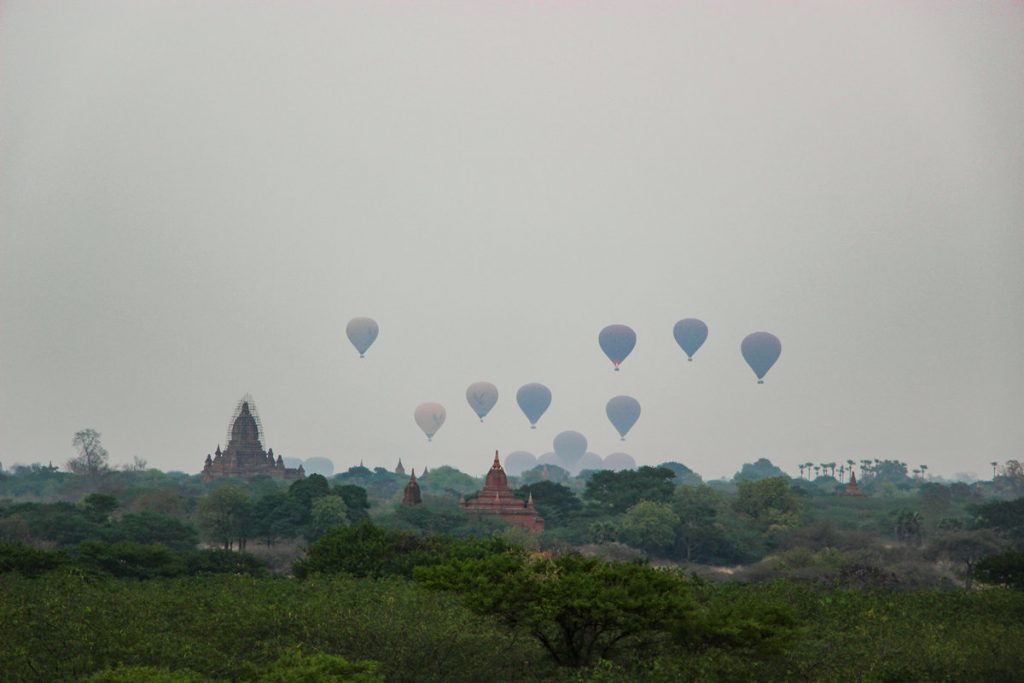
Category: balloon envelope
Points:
column 570, row 447
column 690, row 334
column 318, row 466
column 590, row 461
column 518, row 462
column 481, row 397
column 761, row 350
column 362, row 332
column 619, row 461
column 548, row 458
column 617, row 342
column 430, row 417
column 623, row 412
column 533, row 400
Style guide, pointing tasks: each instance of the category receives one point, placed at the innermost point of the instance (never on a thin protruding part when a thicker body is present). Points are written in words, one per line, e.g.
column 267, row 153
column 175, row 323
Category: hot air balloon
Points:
column 518, row 462
column 548, row 458
column 533, row 400
column 761, row 350
column 623, row 412
column 430, row 417
column 619, row 461
column 570, row 447
column 690, row 334
column 362, row 332
column 590, row 461
column 482, row 396
column 321, row 466
column 617, row 341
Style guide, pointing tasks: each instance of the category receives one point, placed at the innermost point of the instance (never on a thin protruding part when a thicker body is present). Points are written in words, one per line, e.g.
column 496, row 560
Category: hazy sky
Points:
column 195, row 197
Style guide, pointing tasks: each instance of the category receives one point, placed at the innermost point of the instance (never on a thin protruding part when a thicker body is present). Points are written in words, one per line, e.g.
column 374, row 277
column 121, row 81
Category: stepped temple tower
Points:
column 411, row 495
column 497, row 498
column 851, row 487
column 244, row 457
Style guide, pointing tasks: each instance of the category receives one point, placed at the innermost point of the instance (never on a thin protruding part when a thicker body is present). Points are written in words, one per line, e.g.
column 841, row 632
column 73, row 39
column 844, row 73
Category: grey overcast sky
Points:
column 196, row 196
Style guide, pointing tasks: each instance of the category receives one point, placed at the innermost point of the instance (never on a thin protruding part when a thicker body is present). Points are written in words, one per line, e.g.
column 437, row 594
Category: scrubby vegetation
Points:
column 147, row 576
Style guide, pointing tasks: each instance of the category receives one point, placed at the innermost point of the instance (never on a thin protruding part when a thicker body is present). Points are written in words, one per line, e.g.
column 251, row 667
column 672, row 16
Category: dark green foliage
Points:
column 556, row 503
column 17, row 557
column 144, row 674
column 442, row 515
column 294, row 667
column 579, row 609
column 1005, row 569
column 153, row 528
column 134, row 561
column 65, row 627
column 356, row 501
column 770, row 502
column 684, row 475
column 616, row 492
column 762, row 469
column 97, row 507
column 1004, row 517
column 372, row 551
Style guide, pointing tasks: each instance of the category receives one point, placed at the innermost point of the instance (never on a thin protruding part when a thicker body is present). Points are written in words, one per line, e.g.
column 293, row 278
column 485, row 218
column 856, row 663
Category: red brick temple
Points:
column 497, row 498
column 851, row 486
column 244, row 457
column 411, row 495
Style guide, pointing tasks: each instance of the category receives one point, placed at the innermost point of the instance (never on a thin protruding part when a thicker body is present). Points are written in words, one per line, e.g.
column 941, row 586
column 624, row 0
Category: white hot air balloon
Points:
column 362, row 332
column 481, row 397
column 430, row 417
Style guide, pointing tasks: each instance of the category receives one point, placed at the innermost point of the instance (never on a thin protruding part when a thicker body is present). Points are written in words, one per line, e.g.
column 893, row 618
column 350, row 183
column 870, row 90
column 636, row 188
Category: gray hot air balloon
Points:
column 761, row 350
column 590, row 461
column 617, row 342
column 362, row 332
column 690, row 334
column 321, row 466
column 482, row 396
column 519, row 461
column 619, row 461
column 570, row 447
column 533, row 400
column 430, row 417
column 623, row 411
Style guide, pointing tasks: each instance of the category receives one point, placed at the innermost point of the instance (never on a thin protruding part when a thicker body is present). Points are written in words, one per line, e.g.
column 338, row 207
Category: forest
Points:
column 649, row 574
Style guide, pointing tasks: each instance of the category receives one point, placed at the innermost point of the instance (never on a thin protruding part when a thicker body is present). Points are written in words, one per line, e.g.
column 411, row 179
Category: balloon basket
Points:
column 481, row 419
column 533, row 426
column 760, row 381
column 616, row 369
column 362, row 356
column 689, row 359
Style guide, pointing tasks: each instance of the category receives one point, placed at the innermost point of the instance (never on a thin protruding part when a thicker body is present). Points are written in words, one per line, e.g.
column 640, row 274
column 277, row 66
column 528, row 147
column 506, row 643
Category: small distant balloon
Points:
column 319, row 466
column 623, row 412
column 617, row 342
column 518, row 462
column 690, row 334
column 590, row 461
column 761, row 350
column 481, row 397
column 362, row 332
column 548, row 458
column 619, row 461
column 430, row 417
column 570, row 447
column 533, row 400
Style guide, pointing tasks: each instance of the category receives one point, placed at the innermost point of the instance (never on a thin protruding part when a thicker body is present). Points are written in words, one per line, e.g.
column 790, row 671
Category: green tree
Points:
column 762, row 469
column 355, row 501
column 153, row 528
column 1004, row 517
column 579, row 609
column 697, row 509
column 649, row 526
column 964, row 549
column 1004, row 569
column 92, row 457
column 555, row 503
column 328, row 512
column 770, row 502
column 224, row 516
column 616, row 492
column 97, row 507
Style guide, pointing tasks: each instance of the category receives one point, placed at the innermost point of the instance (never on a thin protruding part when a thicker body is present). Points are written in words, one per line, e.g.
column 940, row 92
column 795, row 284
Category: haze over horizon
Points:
column 196, row 197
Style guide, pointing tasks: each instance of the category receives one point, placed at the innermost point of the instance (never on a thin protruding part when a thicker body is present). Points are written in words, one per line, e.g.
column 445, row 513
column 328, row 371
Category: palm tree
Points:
column 801, row 466
column 816, row 468
column 923, row 468
column 993, row 463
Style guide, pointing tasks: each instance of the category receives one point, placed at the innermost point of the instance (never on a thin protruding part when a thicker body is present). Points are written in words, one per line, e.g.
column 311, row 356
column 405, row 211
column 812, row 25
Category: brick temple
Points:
column 497, row 498
column 244, row 457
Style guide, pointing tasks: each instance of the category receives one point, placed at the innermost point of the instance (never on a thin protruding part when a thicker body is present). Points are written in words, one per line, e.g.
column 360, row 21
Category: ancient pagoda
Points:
column 497, row 499
column 411, row 495
column 851, row 487
column 244, row 457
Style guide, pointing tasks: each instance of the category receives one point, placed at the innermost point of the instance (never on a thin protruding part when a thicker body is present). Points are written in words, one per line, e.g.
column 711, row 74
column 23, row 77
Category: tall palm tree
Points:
column 801, row 466
column 993, row 463
column 816, row 468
